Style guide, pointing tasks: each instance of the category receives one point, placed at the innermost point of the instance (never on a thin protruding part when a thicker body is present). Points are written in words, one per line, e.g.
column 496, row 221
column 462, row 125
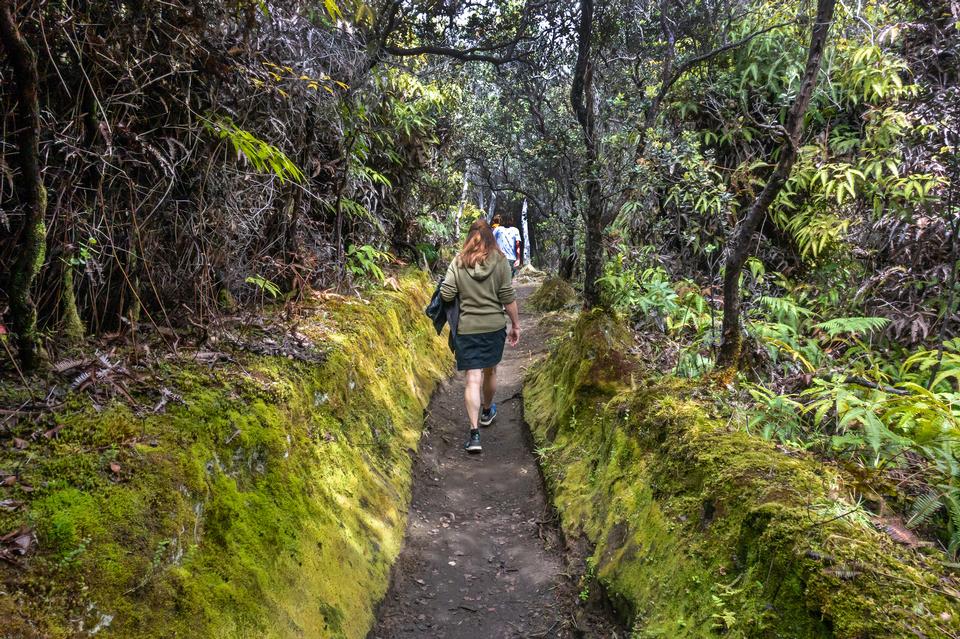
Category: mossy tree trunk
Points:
column 71, row 325
column 568, row 248
column 31, row 240
column 738, row 247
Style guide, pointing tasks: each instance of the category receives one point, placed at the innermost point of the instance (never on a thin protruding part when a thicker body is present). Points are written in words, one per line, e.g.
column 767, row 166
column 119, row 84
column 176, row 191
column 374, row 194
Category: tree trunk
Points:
column 32, row 240
column 526, row 232
column 463, row 202
column 593, row 244
column 568, row 254
column 948, row 311
column 582, row 99
column 738, row 247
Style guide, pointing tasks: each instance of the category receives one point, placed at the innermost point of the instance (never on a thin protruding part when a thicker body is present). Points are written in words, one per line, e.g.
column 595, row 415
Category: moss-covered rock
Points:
column 554, row 294
column 701, row 529
column 271, row 503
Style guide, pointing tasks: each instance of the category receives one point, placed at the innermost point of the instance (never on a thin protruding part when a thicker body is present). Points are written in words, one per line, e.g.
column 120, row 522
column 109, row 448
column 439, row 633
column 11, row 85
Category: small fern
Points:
column 264, row 285
column 924, row 508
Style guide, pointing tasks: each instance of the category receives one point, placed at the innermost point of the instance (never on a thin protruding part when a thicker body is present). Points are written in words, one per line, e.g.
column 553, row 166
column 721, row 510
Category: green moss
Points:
column 699, row 529
column 64, row 519
column 71, row 327
column 226, row 300
column 270, row 504
column 554, row 294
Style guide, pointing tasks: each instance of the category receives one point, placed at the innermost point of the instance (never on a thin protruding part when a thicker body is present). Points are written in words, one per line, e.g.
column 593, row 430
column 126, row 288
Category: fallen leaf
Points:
column 50, row 434
column 9, row 480
column 899, row 532
column 10, row 504
column 18, row 541
column 20, row 444
column 23, row 542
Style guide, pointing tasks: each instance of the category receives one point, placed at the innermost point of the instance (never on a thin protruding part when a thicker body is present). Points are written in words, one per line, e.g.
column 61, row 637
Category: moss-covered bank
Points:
column 270, row 504
column 702, row 530
column 553, row 294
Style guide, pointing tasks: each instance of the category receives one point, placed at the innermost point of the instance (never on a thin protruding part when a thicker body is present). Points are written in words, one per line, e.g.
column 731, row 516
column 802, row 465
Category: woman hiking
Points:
column 480, row 275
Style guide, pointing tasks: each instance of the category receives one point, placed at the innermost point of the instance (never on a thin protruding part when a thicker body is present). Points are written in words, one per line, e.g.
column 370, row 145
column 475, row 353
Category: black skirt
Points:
column 480, row 350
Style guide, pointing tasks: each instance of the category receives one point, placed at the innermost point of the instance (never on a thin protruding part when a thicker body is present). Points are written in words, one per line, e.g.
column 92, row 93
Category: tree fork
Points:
column 738, row 248
column 33, row 198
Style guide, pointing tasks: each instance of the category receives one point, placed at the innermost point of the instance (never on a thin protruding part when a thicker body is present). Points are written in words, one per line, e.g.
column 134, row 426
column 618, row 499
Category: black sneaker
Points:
column 473, row 444
column 487, row 415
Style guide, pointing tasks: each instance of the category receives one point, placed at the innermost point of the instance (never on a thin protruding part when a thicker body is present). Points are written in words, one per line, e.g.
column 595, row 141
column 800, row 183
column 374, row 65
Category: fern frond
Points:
column 924, row 508
column 80, row 380
column 67, row 365
column 785, row 309
column 952, row 500
column 852, row 325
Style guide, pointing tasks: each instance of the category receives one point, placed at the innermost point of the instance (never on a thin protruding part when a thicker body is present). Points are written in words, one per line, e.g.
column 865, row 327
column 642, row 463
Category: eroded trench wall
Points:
column 700, row 529
column 271, row 503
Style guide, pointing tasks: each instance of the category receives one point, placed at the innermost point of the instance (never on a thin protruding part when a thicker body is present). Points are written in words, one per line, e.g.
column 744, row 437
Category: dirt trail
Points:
column 482, row 555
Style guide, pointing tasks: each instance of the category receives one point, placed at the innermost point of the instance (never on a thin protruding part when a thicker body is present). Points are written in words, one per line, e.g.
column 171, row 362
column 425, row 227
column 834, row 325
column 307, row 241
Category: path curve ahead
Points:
column 482, row 556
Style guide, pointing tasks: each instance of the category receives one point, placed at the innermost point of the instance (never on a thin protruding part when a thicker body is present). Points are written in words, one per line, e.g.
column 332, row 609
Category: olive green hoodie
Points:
column 484, row 290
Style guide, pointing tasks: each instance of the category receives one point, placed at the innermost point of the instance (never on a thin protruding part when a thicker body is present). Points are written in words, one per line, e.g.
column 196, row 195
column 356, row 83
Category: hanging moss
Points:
column 553, row 295
column 270, row 504
column 700, row 529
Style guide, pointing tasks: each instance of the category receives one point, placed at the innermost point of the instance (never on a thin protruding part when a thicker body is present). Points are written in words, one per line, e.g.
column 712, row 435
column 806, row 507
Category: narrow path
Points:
column 482, row 556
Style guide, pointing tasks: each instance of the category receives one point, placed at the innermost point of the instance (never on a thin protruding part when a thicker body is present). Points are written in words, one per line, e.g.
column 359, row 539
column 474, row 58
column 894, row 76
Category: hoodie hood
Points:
column 482, row 270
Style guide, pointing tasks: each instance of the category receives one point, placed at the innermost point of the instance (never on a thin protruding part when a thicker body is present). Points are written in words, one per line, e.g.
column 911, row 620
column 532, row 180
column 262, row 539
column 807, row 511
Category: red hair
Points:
column 480, row 243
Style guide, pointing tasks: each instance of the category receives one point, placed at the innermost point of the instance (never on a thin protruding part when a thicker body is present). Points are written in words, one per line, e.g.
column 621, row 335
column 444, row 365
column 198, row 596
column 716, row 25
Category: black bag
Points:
column 436, row 310
column 442, row 312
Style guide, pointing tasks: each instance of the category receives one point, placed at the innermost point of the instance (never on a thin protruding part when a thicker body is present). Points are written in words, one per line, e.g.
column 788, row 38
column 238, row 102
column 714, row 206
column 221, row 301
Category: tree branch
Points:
column 474, row 54
column 689, row 63
column 671, row 74
column 578, row 88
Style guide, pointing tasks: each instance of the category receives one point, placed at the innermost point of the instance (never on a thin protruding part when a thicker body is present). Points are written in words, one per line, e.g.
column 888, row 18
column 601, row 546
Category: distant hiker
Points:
column 481, row 276
column 510, row 243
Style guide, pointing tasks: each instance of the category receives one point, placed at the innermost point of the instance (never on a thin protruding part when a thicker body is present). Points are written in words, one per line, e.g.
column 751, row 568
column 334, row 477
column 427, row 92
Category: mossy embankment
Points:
column 271, row 503
column 553, row 294
column 700, row 529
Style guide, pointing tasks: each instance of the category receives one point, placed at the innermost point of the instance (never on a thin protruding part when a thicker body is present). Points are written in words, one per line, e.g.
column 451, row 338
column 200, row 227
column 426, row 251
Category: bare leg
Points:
column 471, row 395
column 489, row 385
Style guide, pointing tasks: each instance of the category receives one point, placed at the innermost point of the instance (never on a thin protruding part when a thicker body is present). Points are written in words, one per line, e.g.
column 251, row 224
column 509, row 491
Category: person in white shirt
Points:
column 510, row 243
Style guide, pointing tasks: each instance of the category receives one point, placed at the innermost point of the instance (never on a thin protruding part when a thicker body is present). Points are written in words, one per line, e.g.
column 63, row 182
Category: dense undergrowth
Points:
column 817, row 380
column 269, row 502
column 701, row 528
